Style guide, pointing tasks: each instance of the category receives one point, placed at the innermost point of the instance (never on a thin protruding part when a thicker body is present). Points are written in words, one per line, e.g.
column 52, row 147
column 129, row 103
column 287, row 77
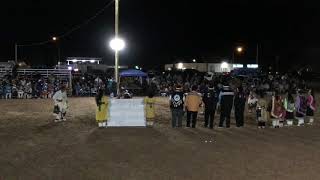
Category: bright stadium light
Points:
column 194, row 60
column 69, row 68
column 224, row 65
column 117, row 44
column 180, row 66
column 92, row 61
column 76, row 70
column 239, row 49
column 137, row 67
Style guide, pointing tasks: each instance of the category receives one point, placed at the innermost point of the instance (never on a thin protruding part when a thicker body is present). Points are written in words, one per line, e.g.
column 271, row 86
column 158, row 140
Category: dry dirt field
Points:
column 32, row 147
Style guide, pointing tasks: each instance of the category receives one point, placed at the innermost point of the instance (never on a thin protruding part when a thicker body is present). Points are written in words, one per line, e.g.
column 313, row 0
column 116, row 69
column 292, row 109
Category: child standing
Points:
column 102, row 111
column 311, row 106
column 289, row 107
column 262, row 114
column 150, row 110
column 252, row 102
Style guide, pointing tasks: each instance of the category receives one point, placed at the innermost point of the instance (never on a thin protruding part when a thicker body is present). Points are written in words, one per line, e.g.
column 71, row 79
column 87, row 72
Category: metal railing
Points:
column 44, row 72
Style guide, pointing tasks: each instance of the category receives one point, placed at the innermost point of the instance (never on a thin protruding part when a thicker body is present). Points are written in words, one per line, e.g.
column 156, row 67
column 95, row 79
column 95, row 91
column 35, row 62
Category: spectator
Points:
column 289, row 107
column 262, row 115
column 301, row 107
column 176, row 104
column 226, row 103
column 193, row 103
column 239, row 105
column 210, row 100
column 8, row 90
column 311, row 106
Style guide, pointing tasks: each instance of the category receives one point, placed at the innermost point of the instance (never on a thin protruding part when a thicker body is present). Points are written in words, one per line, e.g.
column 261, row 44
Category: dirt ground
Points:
column 32, row 147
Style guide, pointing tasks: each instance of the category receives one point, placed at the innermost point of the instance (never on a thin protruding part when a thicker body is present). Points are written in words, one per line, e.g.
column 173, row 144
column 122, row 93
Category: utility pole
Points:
column 257, row 57
column 116, row 71
column 16, row 53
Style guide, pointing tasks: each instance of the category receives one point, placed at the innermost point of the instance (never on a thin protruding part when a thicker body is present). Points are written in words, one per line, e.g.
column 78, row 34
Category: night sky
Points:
column 159, row 32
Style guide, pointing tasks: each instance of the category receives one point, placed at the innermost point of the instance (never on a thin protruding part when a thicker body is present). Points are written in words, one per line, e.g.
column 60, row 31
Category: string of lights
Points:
column 73, row 29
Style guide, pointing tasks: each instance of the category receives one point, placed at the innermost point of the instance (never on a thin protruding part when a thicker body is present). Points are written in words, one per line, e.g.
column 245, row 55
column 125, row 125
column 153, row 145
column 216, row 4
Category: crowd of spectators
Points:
column 27, row 87
column 162, row 84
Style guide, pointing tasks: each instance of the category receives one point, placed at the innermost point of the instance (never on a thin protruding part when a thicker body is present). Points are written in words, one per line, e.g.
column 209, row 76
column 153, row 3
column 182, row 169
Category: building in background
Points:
column 87, row 64
column 222, row 67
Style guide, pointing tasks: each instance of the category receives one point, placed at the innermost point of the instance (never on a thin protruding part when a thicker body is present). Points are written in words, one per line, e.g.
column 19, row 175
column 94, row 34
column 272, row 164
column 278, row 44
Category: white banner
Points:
column 127, row 112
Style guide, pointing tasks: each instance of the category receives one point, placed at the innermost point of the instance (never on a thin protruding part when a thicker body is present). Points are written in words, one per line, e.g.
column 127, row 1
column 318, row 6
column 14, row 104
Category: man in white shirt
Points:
column 61, row 104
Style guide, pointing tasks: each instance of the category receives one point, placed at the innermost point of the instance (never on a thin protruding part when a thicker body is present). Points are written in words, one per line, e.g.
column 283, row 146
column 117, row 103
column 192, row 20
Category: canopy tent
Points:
column 133, row 73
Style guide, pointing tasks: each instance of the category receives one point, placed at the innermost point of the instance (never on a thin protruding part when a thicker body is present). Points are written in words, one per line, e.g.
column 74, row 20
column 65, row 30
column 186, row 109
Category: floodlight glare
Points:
column 224, row 65
column 117, row 44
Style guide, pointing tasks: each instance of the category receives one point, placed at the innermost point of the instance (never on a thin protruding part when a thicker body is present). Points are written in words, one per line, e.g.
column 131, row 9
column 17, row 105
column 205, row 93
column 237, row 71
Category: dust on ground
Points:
column 32, row 147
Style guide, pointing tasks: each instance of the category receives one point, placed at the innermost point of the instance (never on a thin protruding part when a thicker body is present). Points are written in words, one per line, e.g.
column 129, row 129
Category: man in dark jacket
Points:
column 177, row 104
column 210, row 100
column 239, row 105
column 226, row 103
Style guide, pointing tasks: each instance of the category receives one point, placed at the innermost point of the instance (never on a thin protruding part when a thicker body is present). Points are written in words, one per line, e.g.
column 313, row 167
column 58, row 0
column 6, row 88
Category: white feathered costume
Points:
column 60, row 100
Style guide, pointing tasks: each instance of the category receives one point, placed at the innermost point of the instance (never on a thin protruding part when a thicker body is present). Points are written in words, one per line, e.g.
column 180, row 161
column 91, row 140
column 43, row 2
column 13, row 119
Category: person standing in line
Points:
column 102, row 111
column 61, row 104
column 8, row 89
column 239, row 106
column 311, row 106
column 301, row 107
column 150, row 109
column 226, row 102
column 289, row 107
column 252, row 102
column 176, row 101
column 262, row 114
column 277, row 111
column 193, row 103
column 210, row 100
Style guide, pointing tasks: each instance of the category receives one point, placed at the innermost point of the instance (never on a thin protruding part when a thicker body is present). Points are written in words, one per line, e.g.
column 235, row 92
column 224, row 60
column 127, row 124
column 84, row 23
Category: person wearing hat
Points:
column 176, row 101
column 226, row 103
column 61, row 104
column 210, row 100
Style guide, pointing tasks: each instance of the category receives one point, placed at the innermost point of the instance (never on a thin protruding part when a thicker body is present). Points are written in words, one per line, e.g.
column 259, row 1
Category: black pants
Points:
column 225, row 115
column 209, row 116
column 261, row 123
column 239, row 115
column 192, row 116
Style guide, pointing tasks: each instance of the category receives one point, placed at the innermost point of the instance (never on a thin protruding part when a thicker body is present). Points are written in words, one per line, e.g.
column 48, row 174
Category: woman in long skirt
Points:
column 102, row 111
column 311, row 106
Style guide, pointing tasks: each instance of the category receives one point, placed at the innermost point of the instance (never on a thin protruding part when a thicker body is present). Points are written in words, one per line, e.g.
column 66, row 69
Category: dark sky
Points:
column 162, row 31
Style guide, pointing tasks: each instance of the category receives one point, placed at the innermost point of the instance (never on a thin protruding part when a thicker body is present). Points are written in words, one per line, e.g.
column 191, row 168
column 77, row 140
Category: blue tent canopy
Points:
column 132, row 73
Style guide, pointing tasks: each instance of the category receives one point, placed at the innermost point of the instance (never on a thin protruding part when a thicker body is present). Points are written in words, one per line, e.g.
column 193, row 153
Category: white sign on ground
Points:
column 127, row 113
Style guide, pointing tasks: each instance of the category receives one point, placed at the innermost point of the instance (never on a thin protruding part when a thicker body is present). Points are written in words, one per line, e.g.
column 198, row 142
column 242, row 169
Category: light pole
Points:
column 117, row 44
column 55, row 39
column 16, row 53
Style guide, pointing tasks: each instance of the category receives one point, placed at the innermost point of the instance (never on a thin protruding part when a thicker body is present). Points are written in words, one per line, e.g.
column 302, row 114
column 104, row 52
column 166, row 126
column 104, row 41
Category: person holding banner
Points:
column 102, row 111
column 149, row 108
